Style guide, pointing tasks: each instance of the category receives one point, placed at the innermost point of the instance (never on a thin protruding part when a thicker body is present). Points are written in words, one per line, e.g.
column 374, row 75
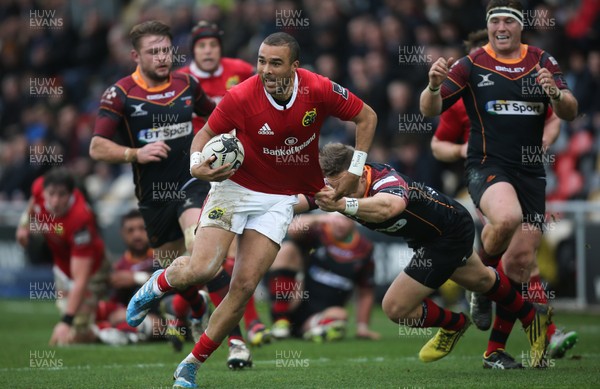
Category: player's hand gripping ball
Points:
column 226, row 148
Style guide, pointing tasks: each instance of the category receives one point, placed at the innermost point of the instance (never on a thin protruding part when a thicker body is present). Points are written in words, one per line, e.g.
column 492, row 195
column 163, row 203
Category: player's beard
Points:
column 154, row 76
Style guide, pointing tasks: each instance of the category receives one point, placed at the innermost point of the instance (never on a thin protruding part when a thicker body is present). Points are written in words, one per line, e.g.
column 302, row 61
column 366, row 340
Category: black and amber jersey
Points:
column 429, row 215
column 140, row 115
column 506, row 106
column 335, row 267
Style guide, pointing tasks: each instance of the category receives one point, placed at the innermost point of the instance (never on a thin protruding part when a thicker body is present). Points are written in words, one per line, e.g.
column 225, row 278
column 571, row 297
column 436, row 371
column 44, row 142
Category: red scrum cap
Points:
column 205, row 29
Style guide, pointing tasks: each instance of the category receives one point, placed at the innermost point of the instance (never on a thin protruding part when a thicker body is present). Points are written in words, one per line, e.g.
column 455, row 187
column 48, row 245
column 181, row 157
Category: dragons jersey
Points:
column 335, row 267
column 506, row 106
column 428, row 215
column 281, row 142
column 231, row 72
column 72, row 235
column 142, row 115
column 455, row 125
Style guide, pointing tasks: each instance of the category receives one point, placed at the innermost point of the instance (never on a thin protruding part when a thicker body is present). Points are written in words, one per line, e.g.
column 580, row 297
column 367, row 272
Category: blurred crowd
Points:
column 58, row 56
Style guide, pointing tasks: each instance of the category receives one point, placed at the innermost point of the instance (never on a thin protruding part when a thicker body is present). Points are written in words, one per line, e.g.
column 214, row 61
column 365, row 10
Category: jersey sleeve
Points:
column 547, row 61
column 110, row 113
column 455, row 84
column 227, row 116
column 342, row 103
column 82, row 239
column 203, row 105
column 391, row 183
column 451, row 127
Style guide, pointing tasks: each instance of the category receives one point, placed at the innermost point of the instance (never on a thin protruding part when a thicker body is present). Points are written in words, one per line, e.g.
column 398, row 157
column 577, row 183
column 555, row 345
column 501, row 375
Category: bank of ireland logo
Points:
column 309, row 117
column 485, row 80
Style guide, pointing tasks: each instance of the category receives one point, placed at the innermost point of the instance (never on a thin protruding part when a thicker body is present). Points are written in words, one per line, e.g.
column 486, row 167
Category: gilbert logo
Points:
column 485, row 80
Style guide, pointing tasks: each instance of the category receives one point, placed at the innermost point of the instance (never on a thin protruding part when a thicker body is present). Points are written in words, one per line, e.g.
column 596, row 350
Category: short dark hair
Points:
column 283, row 39
column 476, row 39
column 133, row 214
column 335, row 158
column 151, row 27
column 61, row 177
column 514, row 4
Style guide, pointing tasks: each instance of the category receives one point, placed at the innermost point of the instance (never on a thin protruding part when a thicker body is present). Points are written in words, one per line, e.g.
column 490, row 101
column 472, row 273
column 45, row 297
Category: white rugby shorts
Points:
column 235, row 208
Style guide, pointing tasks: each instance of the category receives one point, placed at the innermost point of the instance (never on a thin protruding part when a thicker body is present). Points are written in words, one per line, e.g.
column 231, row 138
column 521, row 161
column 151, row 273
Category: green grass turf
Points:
column 392, row 362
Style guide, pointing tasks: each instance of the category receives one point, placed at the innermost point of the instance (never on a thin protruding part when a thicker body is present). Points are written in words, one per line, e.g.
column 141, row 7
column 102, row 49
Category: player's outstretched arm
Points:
column 376, row 209
column 431, row 99
column 366, row 121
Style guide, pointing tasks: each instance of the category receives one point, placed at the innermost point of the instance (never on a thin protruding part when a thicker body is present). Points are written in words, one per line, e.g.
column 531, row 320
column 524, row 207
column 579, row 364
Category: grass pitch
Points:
column 26, row 360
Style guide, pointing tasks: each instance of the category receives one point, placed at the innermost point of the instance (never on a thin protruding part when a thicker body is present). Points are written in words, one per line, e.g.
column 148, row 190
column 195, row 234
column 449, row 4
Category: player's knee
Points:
column 507, row 223
column 200, row 273
column 394, row 309
column 483, row 282
column 242, row 289
column 519, row 264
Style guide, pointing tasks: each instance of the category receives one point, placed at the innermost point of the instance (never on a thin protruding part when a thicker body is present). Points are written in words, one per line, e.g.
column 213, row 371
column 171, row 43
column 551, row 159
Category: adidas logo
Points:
column 265, row 130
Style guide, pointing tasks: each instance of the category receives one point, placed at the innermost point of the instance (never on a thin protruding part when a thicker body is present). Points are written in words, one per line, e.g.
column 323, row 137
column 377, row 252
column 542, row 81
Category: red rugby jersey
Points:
column 281, row 144
column 73, row 234
column 231, row 72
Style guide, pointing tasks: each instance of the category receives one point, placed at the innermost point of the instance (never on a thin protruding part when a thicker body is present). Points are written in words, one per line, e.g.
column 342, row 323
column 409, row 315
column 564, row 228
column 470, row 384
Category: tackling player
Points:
column 440, row 231
column 507, row 87
column 59, row 211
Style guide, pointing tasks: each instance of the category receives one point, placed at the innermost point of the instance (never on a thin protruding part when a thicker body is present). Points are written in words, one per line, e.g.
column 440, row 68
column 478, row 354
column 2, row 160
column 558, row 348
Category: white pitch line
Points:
column 358, row 360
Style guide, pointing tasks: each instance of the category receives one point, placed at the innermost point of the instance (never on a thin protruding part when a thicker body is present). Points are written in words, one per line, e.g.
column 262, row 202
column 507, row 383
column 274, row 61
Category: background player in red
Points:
column 507, row 87
column 277, row 114
column 59, row 212
column 218, row 74
column 335, row 261
column 440, row 231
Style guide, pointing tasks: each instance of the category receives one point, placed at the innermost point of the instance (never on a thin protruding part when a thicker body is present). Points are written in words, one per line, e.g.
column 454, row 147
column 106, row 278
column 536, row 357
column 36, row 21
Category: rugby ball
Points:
column 226, row 148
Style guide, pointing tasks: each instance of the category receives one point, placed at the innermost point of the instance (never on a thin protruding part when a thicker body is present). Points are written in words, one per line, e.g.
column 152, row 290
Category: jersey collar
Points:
column 523, row 52
column 137, row 77
column 196, row 71
column 292, row 99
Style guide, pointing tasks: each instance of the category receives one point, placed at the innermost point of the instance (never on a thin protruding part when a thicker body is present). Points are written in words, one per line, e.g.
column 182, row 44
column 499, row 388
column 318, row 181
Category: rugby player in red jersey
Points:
column 218, row 74
column 151, row 112
column 441, row 232
column 59, row 212
column 507, row 87
column 277, row 115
